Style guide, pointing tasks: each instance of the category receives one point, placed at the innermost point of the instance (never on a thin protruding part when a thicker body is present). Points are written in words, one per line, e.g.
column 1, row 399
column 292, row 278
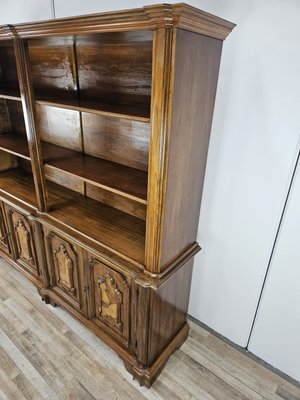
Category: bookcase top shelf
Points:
column 178, row 15
column 133, row 113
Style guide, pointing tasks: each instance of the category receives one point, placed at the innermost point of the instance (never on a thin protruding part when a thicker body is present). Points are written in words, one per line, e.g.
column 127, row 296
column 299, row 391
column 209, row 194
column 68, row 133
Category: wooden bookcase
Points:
column 104, row 131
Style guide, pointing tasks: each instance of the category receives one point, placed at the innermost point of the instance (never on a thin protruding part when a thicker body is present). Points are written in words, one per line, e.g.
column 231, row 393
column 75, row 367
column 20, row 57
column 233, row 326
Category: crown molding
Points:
column 178, row 15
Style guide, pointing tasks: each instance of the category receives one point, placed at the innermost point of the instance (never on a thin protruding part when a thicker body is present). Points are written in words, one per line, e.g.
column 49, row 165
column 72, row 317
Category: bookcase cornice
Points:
column 178, row 15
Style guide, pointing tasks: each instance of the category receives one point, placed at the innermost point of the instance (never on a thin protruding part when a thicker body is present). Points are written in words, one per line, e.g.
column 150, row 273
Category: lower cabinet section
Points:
column 22, row 234
column 143, row 319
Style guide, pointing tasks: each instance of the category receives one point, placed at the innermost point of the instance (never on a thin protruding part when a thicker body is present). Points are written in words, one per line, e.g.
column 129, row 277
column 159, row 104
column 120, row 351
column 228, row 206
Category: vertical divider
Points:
column 77, row 87
column 163, row 51
column 28, row 103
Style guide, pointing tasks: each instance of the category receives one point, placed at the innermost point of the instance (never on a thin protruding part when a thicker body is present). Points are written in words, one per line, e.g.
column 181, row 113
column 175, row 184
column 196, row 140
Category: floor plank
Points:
column 46, row 354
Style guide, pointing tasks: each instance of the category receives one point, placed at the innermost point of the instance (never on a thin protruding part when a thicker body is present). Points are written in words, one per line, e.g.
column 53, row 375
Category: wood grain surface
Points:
column 108, row 175
column 119, row 231
column 196, row 69
column 117, row 110
column 19, row 184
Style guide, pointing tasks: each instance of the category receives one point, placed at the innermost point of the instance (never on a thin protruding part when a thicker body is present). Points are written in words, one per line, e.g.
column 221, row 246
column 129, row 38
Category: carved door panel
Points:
column 23, row 240
column 65, row 263
column 111, row 296
column 4, row 233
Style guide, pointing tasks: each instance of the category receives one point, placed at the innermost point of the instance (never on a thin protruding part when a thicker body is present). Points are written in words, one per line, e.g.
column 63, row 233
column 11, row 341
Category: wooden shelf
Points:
column 19, row 184
column 15, row 144
column 116, row 178
column 113, row 228
column 10, row 94
column 132, row 112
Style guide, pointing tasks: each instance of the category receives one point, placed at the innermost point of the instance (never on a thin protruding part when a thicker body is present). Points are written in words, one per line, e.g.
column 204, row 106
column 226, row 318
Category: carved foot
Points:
column 146, row 375
column 46, row 298
column 140, row 373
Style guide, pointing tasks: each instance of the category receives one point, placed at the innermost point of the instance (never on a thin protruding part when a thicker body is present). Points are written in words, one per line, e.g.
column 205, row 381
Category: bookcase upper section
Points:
column 150, row 17
column 106, row 119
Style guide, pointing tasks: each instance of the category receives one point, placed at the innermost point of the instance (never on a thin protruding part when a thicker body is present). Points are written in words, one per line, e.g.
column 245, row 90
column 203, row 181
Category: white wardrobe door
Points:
column 19, row 11
column 276, row 333
column 253, row 148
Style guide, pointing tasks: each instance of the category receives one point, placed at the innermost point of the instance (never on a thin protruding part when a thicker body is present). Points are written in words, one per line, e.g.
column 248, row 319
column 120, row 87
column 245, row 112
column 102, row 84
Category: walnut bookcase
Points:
column 104, row 130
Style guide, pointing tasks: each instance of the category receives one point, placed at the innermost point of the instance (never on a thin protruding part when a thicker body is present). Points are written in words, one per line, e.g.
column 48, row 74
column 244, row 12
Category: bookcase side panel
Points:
column 196, row 69
column 158, row 147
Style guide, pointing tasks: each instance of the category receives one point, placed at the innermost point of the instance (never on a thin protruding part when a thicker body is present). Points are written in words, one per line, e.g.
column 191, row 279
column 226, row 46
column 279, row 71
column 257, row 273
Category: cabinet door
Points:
column 4, row 233
column 23, row 240
column 65, row 263
column 276, row 332
column 109, row 298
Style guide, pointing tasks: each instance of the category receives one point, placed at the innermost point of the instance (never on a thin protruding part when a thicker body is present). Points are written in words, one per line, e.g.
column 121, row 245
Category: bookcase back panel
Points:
column 5, row 125
column 116, row 67
column 8, row 69
column 116, row 139
column 11, row 117
column 15, row 111
column 59, row 126
column 24, row 165
column 7, row 161
column 53, row 69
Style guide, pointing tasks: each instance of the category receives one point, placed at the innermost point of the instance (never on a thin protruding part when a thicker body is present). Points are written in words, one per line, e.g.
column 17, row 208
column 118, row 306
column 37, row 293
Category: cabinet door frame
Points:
column 111, row 313
column 65, row 263
column 23, row 240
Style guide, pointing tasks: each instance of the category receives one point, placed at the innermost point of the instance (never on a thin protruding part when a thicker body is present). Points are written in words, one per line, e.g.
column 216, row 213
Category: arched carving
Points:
column 23, row 241
column 110, row 301
column 65, row 267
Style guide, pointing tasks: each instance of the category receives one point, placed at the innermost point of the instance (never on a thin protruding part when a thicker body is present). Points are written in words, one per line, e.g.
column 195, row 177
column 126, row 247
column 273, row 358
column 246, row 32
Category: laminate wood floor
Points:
column 46, row 354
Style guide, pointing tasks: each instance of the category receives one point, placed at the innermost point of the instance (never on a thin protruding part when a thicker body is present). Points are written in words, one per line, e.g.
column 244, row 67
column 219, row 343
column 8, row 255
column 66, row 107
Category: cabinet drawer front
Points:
column 4, row 233
column 110, row 297
column 65, row 263
column 23, row 240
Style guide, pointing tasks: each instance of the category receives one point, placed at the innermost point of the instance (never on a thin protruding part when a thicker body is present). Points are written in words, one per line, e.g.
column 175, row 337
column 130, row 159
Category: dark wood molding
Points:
column 151, row 17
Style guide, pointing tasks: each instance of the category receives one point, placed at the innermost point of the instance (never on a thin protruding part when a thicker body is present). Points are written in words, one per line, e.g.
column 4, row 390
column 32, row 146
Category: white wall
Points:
column 253, row 147
column 18, row 11
column 276, row 331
